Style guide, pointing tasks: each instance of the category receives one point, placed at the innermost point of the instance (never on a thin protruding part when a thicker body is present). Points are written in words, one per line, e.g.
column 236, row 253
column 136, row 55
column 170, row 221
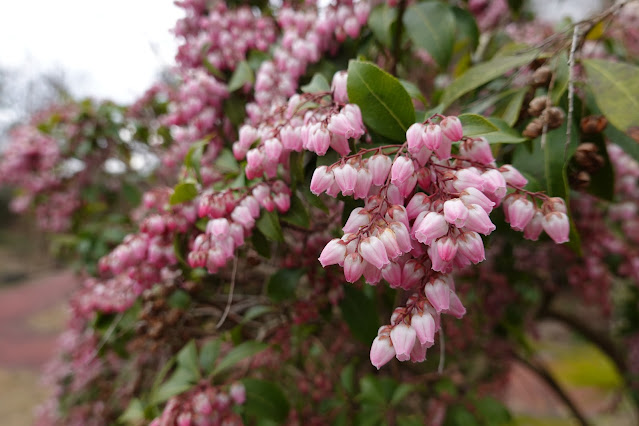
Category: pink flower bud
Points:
column 412, row 274
column 319, row 140
column 471, row 246
column 554, row 204
column 477, row 150
column 322, row 180
column 447, row 248
column 402, row 236
column 291, row 138
column 218, row 227
column 372, row 274
column 534, row 227
column 444, row 150
column 339, row 124
column 437, row 263
column 520, row 212
column 557, row 226
column 346, row 178
column 466, row 178
column 338, row 87
column 359, row 217
column 388, row 238
column 402, row 169
column 415, row 137
column 242, row 215
column 238, row 393
column 403, row 338
column 512, row 176
column 394, row 195
column 456, row 307
column 432, row 137
column 418, row 354
column 494, row 183
column 273, row 149
column 382, row 351
column 418, row 204
column 472, row 195
column 455, row 212
column 374, row 252
column 379, row 165
column 334, row 253
column 452, row 128
column 363, row 184
column 340, row 144
column 424, row 325
column 354, row 116
column 397, row 213
column 353, row 267
column 282, row 202
column 393, row 274
column 433, row 226
column 248, row 135
column 478, row 220
column 438, row 294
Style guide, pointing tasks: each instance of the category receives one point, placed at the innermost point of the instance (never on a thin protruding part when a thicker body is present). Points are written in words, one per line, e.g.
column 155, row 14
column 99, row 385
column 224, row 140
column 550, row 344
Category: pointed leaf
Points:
column 265, row 400
column 475, row 125
column 243, row 74
column 297, row 214
column 209, row 354
column 360, row 313
column 431, row 26
column 187, row 359
column 269, row 226
column 183, row 192
column 386, row 106
column 380, row 21
column 237, row 354
column 317, row 84
column 282, row 284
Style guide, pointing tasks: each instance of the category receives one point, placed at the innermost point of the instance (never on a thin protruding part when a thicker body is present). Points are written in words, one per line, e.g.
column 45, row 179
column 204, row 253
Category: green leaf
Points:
column 431, row 26
column 347, row 378
column 492, row 411
column 413, row 91
column 402, row 391
column 475, row 125
column 615, row 86
column 381, row 22
column 509, row 108
column 237, row 354
column 386, row 106
column 180, row 299
column 269, row 226
column 243, row 74
column 183, row 192
column 134, row 412
column 226, row 162
column 265, row 399
column 504, row 134
column 255, row 312
column 602, row 182
column 317, row 84
column 297, row 214
column 282, row 284
column 261, row 244
column 458, row 415
column 561, row 71
column 482, row 74
column 629, row 145
column 208, row 355
column 193, row 157
column 371, row 390
column 467, row 32
column 131, row 193
column 180, row 381
column 188, row 360
column 360, row 313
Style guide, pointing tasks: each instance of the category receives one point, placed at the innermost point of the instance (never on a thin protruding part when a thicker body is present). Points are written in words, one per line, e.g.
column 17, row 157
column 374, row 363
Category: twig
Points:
column 230, row 299
column 442, row 351
column 543, row 374
column 576, row 35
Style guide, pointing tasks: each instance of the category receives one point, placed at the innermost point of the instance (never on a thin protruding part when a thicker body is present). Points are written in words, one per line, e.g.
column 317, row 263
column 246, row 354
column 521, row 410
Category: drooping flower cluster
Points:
column 423, row 215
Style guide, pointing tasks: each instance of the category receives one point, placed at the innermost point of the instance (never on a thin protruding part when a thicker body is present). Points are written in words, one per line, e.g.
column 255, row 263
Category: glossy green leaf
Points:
column 243, row 74
column 208, row 355
column 360, row 313
column 188, row 360
column 380, row 21
column 282, row 284
column 265, row 399
column 317, row 84
column 269, row 226
column 413, row 91
column 482, row 74
column 475, row 125
column 237, row 354
column 183, row 192
column 467, row 32
column 431, row 26
column 386, row 106
column 510, row 107
column 561, row 73
column 180, row 381
column 297, row 214
column 615, row 86
column 504, row 134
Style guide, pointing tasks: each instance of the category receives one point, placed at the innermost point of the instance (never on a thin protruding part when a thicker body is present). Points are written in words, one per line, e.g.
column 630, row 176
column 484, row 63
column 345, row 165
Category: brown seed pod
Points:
column 533, row 129
column 554, row 116
column 579, row 180
column 542, row 76
column 537, row 105
column 588, row 158
column 593, row 124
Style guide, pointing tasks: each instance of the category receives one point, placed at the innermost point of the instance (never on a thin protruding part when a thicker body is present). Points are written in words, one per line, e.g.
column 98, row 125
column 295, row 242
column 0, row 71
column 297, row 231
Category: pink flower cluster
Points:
column 223, row 36
column 232, row 219
column 423, row 215
column 204, row 405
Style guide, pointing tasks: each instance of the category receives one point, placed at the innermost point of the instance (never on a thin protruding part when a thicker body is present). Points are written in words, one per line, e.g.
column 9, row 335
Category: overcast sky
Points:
column 109, row 49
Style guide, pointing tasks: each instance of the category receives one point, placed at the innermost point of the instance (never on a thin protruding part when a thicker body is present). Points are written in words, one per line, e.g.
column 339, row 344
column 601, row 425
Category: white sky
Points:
column 109, row 49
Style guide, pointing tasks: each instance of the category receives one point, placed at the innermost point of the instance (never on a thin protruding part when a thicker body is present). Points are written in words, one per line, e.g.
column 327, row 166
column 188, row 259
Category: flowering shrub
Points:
column 301, row 212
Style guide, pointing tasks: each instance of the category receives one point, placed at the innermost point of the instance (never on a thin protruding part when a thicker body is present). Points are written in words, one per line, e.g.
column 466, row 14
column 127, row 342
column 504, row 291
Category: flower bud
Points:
column 403, row 338
column 374, row 252
column 379, row 165
column 333, row 253
column 402, row 169
column 557, row 226
column 382, row 351
column 438, row 294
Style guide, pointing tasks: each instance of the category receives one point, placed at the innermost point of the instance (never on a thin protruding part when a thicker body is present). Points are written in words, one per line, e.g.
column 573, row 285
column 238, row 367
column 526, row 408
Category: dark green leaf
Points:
column 314, row 200
column 561, row 72
column 187, row 359
column 261, row 244
column 402, row 391
column 467, row 35
column 269, row 225
column 371, row 391
column 347, row 378
column 380, row 21
column 265, row 400
column 234, row 108
column 509, row 108
column 482, row 74
column 431, row 26
column 629, row 145
column 237, row 354
column 180, row 299
column 475, row 125
column 180, row 381
column 282, row 284
column 386, row 106
column 615, row 86
column 297, row 214
column 414, row 91
column 360, row 313
column 317, row 84
column 131, row 193
column 243, row 74
column 208, row 355
column 492, row 411
column 602, row 181
column 255, row 312
column 226, row 162
column 183, row 192
column 505, row 134
column 458, row 415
